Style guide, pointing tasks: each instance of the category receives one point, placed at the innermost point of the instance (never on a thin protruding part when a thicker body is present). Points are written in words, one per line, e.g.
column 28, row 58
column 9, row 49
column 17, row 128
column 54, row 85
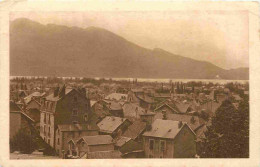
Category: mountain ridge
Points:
column 47, row 50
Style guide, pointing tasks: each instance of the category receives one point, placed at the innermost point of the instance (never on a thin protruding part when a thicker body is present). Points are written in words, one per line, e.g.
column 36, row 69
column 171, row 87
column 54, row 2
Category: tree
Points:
column 228, row 135
column 23, row 141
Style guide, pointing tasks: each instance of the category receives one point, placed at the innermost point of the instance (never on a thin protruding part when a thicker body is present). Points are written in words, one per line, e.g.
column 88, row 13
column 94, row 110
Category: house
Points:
column 19, row 120
column 100, row 109
column 132, row 110
column 35, row 95
column 117, row 97
column 64, row 106
column 173, row 107
column 145, row 101
column 115, row 109
column 169, row 139
column 108, row 107
column 135, row 130
column 193, row 122
column 129, row 148
column 113, row 126
column 67, row 133
column 133, row 94
column 33, row 104
column 88, row 144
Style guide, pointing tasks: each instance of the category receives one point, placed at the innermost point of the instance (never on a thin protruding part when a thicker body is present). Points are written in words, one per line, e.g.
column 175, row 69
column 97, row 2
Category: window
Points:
column 83, row 144
column 49, row 118
column 85, row 117
column 74, row 112
column 44, row 119
column 151, row 144
column 162, row 145
column 75, row 99
column 48, row 141
column 58, row 142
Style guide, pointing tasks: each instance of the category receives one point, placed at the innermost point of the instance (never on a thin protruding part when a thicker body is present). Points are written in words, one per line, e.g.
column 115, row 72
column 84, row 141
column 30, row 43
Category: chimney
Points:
column 56, row 91
column 62, row 91
column 83, row 91
column 164, row 115
column 148, row 126
column 180, row 124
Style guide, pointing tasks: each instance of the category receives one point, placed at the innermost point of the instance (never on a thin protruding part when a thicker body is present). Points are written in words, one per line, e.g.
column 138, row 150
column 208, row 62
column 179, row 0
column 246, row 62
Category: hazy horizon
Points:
column 220, row 38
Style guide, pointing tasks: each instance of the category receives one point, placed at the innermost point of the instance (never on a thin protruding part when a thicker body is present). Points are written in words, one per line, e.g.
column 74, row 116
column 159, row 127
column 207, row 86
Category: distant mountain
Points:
column 54, row 50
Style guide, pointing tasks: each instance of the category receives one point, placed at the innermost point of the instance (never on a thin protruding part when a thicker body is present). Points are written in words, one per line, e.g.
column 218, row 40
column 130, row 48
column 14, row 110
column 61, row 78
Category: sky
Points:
column 219, row 37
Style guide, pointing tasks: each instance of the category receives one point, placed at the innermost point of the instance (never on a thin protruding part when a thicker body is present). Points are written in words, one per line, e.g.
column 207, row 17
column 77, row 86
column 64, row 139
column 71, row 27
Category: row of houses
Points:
column 132, row 125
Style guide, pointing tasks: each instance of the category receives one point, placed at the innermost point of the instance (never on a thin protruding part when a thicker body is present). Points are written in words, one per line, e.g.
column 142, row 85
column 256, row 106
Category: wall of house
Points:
column 48, row 125
column 72, row 101
column 75, row 136
column 33, row 104
column 185, row 144
column 157, row 152
column 103, row 147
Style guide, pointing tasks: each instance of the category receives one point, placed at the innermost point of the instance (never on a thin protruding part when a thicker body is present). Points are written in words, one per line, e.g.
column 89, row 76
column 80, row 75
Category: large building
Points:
column 64, row 106
column 169, row 139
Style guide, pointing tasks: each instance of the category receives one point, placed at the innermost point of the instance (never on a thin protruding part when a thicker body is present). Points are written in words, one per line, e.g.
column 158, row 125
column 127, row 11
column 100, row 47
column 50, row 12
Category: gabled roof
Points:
column 56, row 98
column 77, row 127
column 165, row 129
column 134, row 130
column 182, row 107
column 169, row 103
column 98, row 139
column 14, row 108
column 193, row 121
column 110, row 123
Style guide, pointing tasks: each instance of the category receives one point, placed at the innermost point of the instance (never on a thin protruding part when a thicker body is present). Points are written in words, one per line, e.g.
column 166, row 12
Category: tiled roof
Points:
column 52, row 98
column 98, row 139
column 193, row 123
column 146, row 98
column 122, row 140
column 132, row 110
column 131, row 146
column 104, row 154
column 28, row 98
column 110, row 123
column 164, row 129
column 77, row 127
column 134, row 130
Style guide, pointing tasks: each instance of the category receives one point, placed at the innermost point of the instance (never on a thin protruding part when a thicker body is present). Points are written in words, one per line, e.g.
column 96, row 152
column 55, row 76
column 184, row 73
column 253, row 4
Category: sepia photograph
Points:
column 119, row 84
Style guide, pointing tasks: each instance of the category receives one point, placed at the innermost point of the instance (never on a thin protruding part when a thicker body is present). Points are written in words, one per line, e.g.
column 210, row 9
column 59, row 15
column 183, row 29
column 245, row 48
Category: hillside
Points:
column 54, row 50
